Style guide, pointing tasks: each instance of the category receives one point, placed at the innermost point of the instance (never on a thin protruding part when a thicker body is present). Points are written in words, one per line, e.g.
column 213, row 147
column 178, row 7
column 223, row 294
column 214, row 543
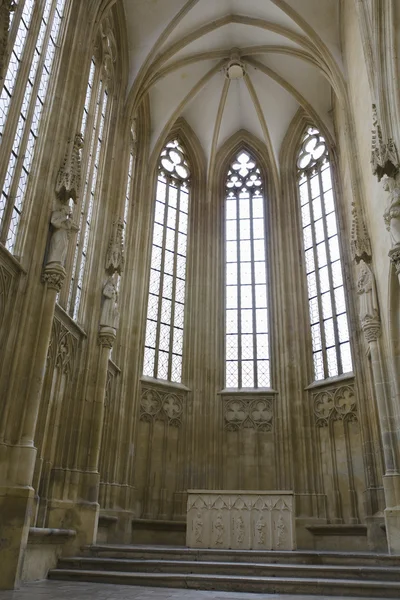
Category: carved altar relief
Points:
column 248, row 520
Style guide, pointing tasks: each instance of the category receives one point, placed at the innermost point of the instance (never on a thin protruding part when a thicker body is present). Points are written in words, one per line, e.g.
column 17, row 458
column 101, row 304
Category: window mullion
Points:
column 239, row 290
column 253, row 290
column 330, row 275
column 317, row 281
column 174, row 276
column 18, row 93
column 28, row 119
column 160, row 297
column 91, row 157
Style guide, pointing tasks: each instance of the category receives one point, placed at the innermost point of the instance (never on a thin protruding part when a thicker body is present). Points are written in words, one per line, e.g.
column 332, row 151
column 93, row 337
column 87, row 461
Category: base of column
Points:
column 391, row 484
column 82, row 517
column 16, row 506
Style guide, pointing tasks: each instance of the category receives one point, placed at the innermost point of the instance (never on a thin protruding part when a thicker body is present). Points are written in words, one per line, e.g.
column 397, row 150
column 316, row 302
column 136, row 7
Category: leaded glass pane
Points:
column 327, row 305
column 246, row 354
column 168, row 262
column 22, row 99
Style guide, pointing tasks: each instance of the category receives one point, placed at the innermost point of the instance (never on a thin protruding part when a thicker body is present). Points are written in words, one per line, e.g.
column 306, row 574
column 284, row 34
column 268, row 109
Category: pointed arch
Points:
column 243, row 180
column 308, row 179
column 179, row 168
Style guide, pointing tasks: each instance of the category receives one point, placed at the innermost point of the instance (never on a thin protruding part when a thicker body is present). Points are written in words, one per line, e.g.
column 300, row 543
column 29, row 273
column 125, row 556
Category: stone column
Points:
column 17, row 500
column 371, row 326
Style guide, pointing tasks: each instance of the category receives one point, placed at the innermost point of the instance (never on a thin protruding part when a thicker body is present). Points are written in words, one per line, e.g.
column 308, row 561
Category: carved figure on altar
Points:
column 109, row 312
column 62, row 225
column 260, row 530
column 219, row 530
column 239, row 529
column 198, row 528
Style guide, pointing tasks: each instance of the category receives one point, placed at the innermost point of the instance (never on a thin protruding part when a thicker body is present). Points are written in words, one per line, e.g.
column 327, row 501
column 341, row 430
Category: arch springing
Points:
column 327, row 305
column 166, row 301
column 246, row 315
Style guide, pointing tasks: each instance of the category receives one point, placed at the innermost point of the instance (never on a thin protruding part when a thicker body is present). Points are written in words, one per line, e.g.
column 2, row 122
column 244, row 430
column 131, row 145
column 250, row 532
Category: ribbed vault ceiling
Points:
column 179, row 49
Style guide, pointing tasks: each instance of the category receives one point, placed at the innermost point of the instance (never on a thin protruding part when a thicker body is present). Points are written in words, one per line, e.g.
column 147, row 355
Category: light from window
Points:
column 165, row 311
column 246, row 321
column 22, row 130
column 327, row 305
column 92, row 127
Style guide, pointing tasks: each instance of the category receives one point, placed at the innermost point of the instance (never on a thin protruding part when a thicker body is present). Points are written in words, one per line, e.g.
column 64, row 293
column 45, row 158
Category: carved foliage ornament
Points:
column 335, row 405
column 254, row 413
column 160, row 405
column 384, row 156
column 115, row 251
column 68, row 185
column 360, row 243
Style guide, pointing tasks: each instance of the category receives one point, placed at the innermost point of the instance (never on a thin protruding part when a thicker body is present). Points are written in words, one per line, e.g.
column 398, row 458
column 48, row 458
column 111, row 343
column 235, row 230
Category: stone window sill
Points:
column 167, row 385
column 247, row 392
column 330, row 381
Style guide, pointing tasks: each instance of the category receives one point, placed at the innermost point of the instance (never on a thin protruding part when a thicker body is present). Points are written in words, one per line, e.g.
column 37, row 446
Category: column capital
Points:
column 107, row 337
column 53, row 276
column 394, row 255
column 372, row 328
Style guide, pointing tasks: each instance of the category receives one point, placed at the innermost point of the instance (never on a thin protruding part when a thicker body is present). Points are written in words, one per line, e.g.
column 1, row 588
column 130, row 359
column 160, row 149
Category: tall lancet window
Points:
column 327, row 305
column 34, row 37
column 165, row 311
column 246, row 326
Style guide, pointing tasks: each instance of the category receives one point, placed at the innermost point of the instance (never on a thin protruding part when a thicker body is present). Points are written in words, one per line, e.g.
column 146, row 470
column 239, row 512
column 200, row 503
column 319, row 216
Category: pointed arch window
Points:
column 246, row 322
column 327, row 305
column 166, row 302
column 22, row 98
column 94, row 127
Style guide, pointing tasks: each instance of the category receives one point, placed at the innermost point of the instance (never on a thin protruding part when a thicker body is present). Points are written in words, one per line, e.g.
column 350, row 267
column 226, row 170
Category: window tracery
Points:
column 327, row 305
column 22, row 99
column 166, row 302
column 246, row 316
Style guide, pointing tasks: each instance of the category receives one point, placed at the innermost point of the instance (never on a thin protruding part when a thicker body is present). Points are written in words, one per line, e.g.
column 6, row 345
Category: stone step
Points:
column 239, row 583
column 130, row 565
column 310, row 557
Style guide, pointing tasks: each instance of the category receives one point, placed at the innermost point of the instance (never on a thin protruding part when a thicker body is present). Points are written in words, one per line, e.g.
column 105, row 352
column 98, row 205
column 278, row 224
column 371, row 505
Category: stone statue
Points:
column 62, row 225
column 109, row 313
column 392, row 211
column 219, row 530
column 366, row 290
column 198, row 528
column 260, row 530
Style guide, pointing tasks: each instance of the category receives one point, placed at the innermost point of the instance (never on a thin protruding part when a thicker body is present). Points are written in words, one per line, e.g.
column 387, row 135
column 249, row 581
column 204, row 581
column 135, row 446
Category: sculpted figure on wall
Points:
column 198, row 528
column 219, row 530
column 62, row 226
column 369, row 307
column 392, row 211
column 109, row 312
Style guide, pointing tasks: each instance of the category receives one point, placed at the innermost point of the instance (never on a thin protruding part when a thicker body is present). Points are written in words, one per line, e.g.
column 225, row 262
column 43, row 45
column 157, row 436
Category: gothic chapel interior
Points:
column 199, row 276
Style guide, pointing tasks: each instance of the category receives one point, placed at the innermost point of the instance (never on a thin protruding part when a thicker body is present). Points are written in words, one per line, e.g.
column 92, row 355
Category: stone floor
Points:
column 58, row 590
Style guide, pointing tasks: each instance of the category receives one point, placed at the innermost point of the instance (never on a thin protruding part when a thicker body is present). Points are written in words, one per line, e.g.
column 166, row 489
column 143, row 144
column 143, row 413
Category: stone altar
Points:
column 248, row 520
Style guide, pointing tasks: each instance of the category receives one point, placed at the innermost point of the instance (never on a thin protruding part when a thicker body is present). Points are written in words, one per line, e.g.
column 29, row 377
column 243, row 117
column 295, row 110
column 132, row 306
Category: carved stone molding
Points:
column 248, row 412
column 63, row 348
column 68, row 184
column 384, row 155
column 6, row 282
column 250, row 520
column 6, row 8
column 372, row 328
column 161, row 405
column 394, row 255
column 53, row 276
column 115, row 251
column 335, row 404
column 360, row 243
column 107, row 337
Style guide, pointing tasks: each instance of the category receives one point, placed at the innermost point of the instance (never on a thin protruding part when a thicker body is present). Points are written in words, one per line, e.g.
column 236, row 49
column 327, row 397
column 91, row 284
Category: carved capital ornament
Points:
column 53, row 276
